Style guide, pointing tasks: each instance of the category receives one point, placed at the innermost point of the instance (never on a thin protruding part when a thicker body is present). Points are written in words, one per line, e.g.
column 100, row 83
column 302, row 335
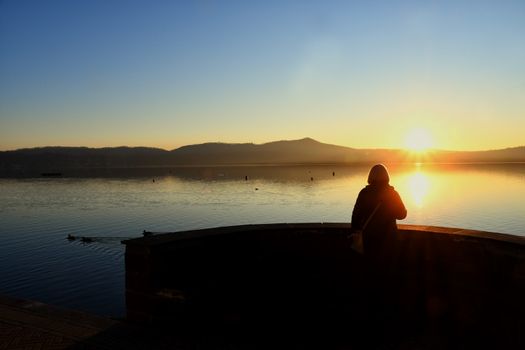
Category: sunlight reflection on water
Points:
column 419, row 185
column 37, row 262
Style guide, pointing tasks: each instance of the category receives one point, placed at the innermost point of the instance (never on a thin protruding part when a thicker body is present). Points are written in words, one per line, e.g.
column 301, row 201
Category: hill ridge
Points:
column 306, row 150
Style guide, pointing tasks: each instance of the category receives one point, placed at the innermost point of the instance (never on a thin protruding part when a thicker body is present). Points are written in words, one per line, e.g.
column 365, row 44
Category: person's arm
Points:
column 357, row 213
column 400, row 212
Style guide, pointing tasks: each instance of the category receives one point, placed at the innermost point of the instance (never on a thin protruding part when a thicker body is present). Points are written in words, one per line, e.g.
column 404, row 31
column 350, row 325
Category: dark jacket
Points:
column 382, row 225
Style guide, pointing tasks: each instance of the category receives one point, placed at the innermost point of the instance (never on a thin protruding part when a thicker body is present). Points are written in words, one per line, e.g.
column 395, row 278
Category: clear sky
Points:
column 362, row 74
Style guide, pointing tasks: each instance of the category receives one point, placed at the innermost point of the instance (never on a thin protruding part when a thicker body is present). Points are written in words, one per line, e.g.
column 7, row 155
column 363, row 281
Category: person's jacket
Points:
column 383, row 222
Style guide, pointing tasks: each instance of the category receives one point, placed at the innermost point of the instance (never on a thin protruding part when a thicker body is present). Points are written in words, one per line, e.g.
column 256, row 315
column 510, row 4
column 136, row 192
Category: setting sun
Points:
column 418, row 140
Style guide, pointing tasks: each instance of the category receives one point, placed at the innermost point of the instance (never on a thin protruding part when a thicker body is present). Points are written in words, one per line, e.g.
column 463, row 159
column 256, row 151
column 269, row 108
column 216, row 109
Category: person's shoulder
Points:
column 366, row 189
column 392, row 190
column 363, row 193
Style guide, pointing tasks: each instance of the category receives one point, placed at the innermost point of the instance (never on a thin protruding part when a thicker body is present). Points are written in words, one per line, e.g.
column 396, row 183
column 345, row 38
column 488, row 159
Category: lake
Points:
column 36, row 215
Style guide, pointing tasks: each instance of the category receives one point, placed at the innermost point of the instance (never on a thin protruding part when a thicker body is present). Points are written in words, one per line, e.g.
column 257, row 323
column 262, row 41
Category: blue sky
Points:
column 167, row 73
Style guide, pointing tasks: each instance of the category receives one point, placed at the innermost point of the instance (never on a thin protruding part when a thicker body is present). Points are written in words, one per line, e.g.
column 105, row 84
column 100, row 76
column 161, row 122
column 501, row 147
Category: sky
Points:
column 363, row 74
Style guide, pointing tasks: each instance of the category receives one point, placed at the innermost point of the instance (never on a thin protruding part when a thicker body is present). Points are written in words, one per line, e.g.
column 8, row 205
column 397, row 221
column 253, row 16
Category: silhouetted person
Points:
column 382, row 204
column 382, row 198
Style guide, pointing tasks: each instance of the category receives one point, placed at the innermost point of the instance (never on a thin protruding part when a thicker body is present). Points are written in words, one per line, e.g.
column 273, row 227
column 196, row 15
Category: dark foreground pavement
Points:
column 28, row 325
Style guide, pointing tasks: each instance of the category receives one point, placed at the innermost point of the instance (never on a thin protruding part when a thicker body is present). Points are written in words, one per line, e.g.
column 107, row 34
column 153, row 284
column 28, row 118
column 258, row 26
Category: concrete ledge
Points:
column 466, row 233
column 448, row 281
column 167, row 237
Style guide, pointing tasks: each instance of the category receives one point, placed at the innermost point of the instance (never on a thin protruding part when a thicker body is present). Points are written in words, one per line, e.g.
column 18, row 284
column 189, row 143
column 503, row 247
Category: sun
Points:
column 418, row 140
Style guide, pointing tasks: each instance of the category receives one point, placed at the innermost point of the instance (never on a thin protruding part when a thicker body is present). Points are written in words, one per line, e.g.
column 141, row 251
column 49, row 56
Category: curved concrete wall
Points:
column 457, row 281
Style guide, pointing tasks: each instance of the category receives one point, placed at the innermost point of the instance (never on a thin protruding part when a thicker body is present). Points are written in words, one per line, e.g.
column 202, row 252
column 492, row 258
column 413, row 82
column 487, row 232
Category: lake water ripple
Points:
column 36, row 215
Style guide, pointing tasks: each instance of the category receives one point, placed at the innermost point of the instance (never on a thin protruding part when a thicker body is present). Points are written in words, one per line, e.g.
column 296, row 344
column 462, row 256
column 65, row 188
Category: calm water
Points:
column 36, row 215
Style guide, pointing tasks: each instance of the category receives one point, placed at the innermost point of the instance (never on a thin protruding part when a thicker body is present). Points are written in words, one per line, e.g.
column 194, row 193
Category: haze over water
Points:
column 37, row 262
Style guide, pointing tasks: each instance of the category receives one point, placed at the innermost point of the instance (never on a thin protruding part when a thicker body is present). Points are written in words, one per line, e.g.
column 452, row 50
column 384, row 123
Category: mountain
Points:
column 305, row 150
column 34, row 161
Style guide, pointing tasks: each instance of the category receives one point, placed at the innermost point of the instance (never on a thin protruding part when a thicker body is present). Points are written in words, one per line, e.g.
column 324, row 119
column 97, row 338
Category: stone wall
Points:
column 453, row 281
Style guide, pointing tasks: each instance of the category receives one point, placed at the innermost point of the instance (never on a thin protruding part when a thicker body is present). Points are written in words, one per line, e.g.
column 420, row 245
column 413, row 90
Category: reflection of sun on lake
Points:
column 418, row 186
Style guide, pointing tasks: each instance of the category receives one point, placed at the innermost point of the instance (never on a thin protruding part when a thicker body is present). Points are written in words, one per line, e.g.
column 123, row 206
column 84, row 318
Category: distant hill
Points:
column 34, row 161
column 298, row 151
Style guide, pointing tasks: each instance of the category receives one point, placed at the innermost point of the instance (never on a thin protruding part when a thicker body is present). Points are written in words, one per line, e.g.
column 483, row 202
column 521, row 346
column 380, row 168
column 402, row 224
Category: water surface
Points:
column 37, row 262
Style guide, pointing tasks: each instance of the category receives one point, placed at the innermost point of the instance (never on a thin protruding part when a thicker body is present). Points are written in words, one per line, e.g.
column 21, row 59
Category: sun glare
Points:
column 418, row 140
column 418, row 185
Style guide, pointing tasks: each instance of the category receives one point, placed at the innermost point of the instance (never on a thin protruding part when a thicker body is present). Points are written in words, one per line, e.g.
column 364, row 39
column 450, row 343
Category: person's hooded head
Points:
column 378, row 175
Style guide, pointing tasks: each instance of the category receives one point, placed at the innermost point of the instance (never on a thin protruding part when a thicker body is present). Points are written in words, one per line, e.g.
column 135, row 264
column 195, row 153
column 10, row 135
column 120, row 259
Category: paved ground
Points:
column 32, row 325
